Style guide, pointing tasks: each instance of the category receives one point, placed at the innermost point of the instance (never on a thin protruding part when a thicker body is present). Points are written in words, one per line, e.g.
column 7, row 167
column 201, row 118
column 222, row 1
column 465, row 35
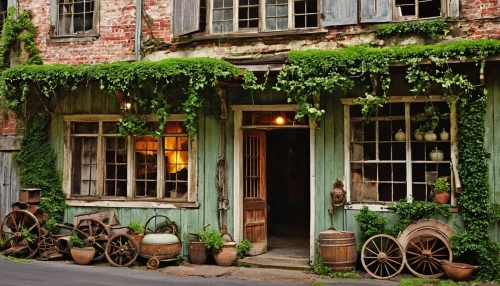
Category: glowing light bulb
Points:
column 280, row 120
column 128, row 105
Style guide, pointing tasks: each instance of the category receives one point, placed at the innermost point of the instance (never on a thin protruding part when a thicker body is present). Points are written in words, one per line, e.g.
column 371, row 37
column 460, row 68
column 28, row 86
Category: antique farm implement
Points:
column 421, row 246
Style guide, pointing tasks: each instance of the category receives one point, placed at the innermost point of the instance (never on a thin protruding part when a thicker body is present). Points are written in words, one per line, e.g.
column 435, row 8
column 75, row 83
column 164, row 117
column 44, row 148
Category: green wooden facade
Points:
column 329, row 158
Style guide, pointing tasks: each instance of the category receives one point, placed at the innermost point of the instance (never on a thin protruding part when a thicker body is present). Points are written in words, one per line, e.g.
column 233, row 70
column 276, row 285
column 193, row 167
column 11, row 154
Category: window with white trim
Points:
column 106, row 165
column 387, row 161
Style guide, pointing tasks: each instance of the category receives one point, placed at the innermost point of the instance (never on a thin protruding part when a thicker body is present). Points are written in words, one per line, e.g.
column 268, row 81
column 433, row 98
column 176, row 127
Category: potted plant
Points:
column 81, row 253
column 430, row 121
column 225, row 252
column 197, row 251
column 243, row 248
column 137, row 230
column 441, row 190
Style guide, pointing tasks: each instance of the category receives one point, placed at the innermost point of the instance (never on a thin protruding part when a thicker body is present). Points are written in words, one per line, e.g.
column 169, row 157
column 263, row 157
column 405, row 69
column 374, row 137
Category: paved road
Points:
column 40, row 273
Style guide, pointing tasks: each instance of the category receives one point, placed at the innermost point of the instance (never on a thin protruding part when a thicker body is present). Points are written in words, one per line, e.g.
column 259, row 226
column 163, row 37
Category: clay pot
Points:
column 82, row 256
column 444, row 136
column 197, row 252
column 227, row 255
column 419, row 136
column 458, row 271
column 400, row 135
column 138, row 238
column 442, row 198
column 430, row 136
column 436, row 155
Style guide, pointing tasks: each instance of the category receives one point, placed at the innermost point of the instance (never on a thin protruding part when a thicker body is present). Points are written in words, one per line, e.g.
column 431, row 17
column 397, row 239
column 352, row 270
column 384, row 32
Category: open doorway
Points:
column 288, row 192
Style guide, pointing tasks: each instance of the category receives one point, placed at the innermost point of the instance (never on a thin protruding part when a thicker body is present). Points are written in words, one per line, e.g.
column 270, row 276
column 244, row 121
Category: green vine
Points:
column 370, row 223
column 37, row 167
column 193, row 75
column 431, row 29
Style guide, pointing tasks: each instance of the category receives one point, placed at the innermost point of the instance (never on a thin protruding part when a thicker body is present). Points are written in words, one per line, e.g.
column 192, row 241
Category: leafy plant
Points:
column 136, row 227
column 26, row 234
column 430, row 121
column 51, row 225
column 410, row 211
column 431, row 29
column 441, row 186
column 243, row 247
column 76, row 241
column 324, row 270
column 212, row 239
column 370, row 223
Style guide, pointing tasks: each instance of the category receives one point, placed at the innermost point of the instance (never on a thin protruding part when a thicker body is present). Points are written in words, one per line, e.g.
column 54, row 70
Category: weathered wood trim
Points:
column 347, row 152
column 160, row 162
column 392, row 99
column 260, row 68
column 10, row 142
column 100, row 164
column 67, row 160
column 193, row 171
column 238, row 175
column 379, row 207
column 312, row 189
column 132, row 204
column 130, row 171
column 454, row 150
column 117, row 117
column 276, row 107
column 275, row 127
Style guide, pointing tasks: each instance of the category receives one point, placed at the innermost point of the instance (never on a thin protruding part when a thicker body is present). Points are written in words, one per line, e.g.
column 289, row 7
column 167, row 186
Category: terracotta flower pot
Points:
column 458, row 271
column 227, row 255
column 82, row 256
column 442, row 198
column 197, row 252
column 138, row 238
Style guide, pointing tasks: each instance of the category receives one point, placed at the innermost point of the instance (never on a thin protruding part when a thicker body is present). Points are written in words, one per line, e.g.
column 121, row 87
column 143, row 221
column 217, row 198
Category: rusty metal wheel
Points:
column 160, row 224
column 424, row 250
column 382, row 256
column 121, row 250
column 95, row 234
column 48, row 243
column 21, row 232
column 153, row 263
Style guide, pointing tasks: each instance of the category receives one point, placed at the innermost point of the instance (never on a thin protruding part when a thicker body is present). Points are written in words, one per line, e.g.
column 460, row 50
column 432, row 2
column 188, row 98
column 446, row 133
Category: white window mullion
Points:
column 409, row 179
column 131, row 166
column 100, row 164
column 235, row 15
column 262, row 20
column 290, row 15
column 210, row 16
column 160, row 170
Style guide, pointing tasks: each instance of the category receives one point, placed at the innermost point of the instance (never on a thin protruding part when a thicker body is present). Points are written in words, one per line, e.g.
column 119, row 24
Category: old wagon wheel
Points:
column 95, row 234
column 153, row 263
column 424, row 251
column 21, row 232
column 47, row 243
column 121, row 250
column 160, row 224
column 382, row 256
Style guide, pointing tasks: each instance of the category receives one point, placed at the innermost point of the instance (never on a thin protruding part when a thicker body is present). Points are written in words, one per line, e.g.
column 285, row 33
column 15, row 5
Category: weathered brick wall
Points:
column 157, row 19
column 116, row 41
column 8, row 124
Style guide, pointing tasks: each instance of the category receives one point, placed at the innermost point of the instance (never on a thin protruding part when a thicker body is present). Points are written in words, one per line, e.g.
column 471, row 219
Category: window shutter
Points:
column 186, row 17
column 453, row 8
column 340, row 12
column 374, row 11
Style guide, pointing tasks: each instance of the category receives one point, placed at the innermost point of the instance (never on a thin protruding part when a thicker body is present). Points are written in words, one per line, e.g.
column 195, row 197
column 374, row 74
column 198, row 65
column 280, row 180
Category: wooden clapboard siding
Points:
column 340, row 12
column 492, row 137
column 9, row 183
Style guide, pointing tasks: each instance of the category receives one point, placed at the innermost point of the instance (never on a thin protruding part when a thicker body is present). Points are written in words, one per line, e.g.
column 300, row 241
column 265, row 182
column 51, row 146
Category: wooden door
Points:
column 254, row 188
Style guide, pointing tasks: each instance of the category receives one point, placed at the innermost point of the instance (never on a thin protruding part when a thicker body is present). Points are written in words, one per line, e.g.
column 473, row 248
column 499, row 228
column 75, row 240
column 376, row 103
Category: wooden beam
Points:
column 10, row 142
column 454, row 144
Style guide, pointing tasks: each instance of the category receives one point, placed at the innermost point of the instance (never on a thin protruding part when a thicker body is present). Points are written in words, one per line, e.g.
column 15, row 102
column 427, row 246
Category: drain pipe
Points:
column 138, row 29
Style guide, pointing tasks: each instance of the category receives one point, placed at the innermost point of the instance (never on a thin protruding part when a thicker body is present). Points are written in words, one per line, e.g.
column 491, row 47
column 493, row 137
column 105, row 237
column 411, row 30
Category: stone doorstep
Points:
column 278, row 262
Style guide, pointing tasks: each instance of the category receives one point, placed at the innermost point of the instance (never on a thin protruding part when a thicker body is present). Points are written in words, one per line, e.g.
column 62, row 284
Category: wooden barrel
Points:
column 337, row 249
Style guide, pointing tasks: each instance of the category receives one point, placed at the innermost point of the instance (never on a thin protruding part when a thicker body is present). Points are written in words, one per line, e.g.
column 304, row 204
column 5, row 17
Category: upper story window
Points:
column 387, row 160
column 240, row 16
column 105, row 165
column 3, row 13
column 75, row 18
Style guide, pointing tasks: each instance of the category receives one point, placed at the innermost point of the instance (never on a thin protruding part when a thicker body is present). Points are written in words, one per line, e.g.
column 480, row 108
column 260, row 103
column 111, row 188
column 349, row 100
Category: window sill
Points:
column 126, row 203
column 381, row 207
column 74, row 38
column 240, row 35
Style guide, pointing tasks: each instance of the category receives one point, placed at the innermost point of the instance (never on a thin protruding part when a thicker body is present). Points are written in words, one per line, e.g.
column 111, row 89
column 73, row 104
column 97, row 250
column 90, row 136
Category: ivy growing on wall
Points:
column 37, row 167
column 430, row 29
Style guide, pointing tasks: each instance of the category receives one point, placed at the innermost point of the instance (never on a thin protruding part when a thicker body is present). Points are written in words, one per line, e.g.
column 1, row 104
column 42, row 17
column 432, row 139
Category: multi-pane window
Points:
column 417, row 9
column 387, row 161
column 77, row 17
column 176, row 143
column 107, row 164
column 3, row 13
column 264, row 15
column 84, row 137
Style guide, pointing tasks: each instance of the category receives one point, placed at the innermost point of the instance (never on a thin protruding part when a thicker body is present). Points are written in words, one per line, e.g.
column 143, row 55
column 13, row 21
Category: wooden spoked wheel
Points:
column 382, row 256
column 424, row 251
column 21, row 232
column 153, row 263
column 121, row 250
column 48, row 243
column 95, row 234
